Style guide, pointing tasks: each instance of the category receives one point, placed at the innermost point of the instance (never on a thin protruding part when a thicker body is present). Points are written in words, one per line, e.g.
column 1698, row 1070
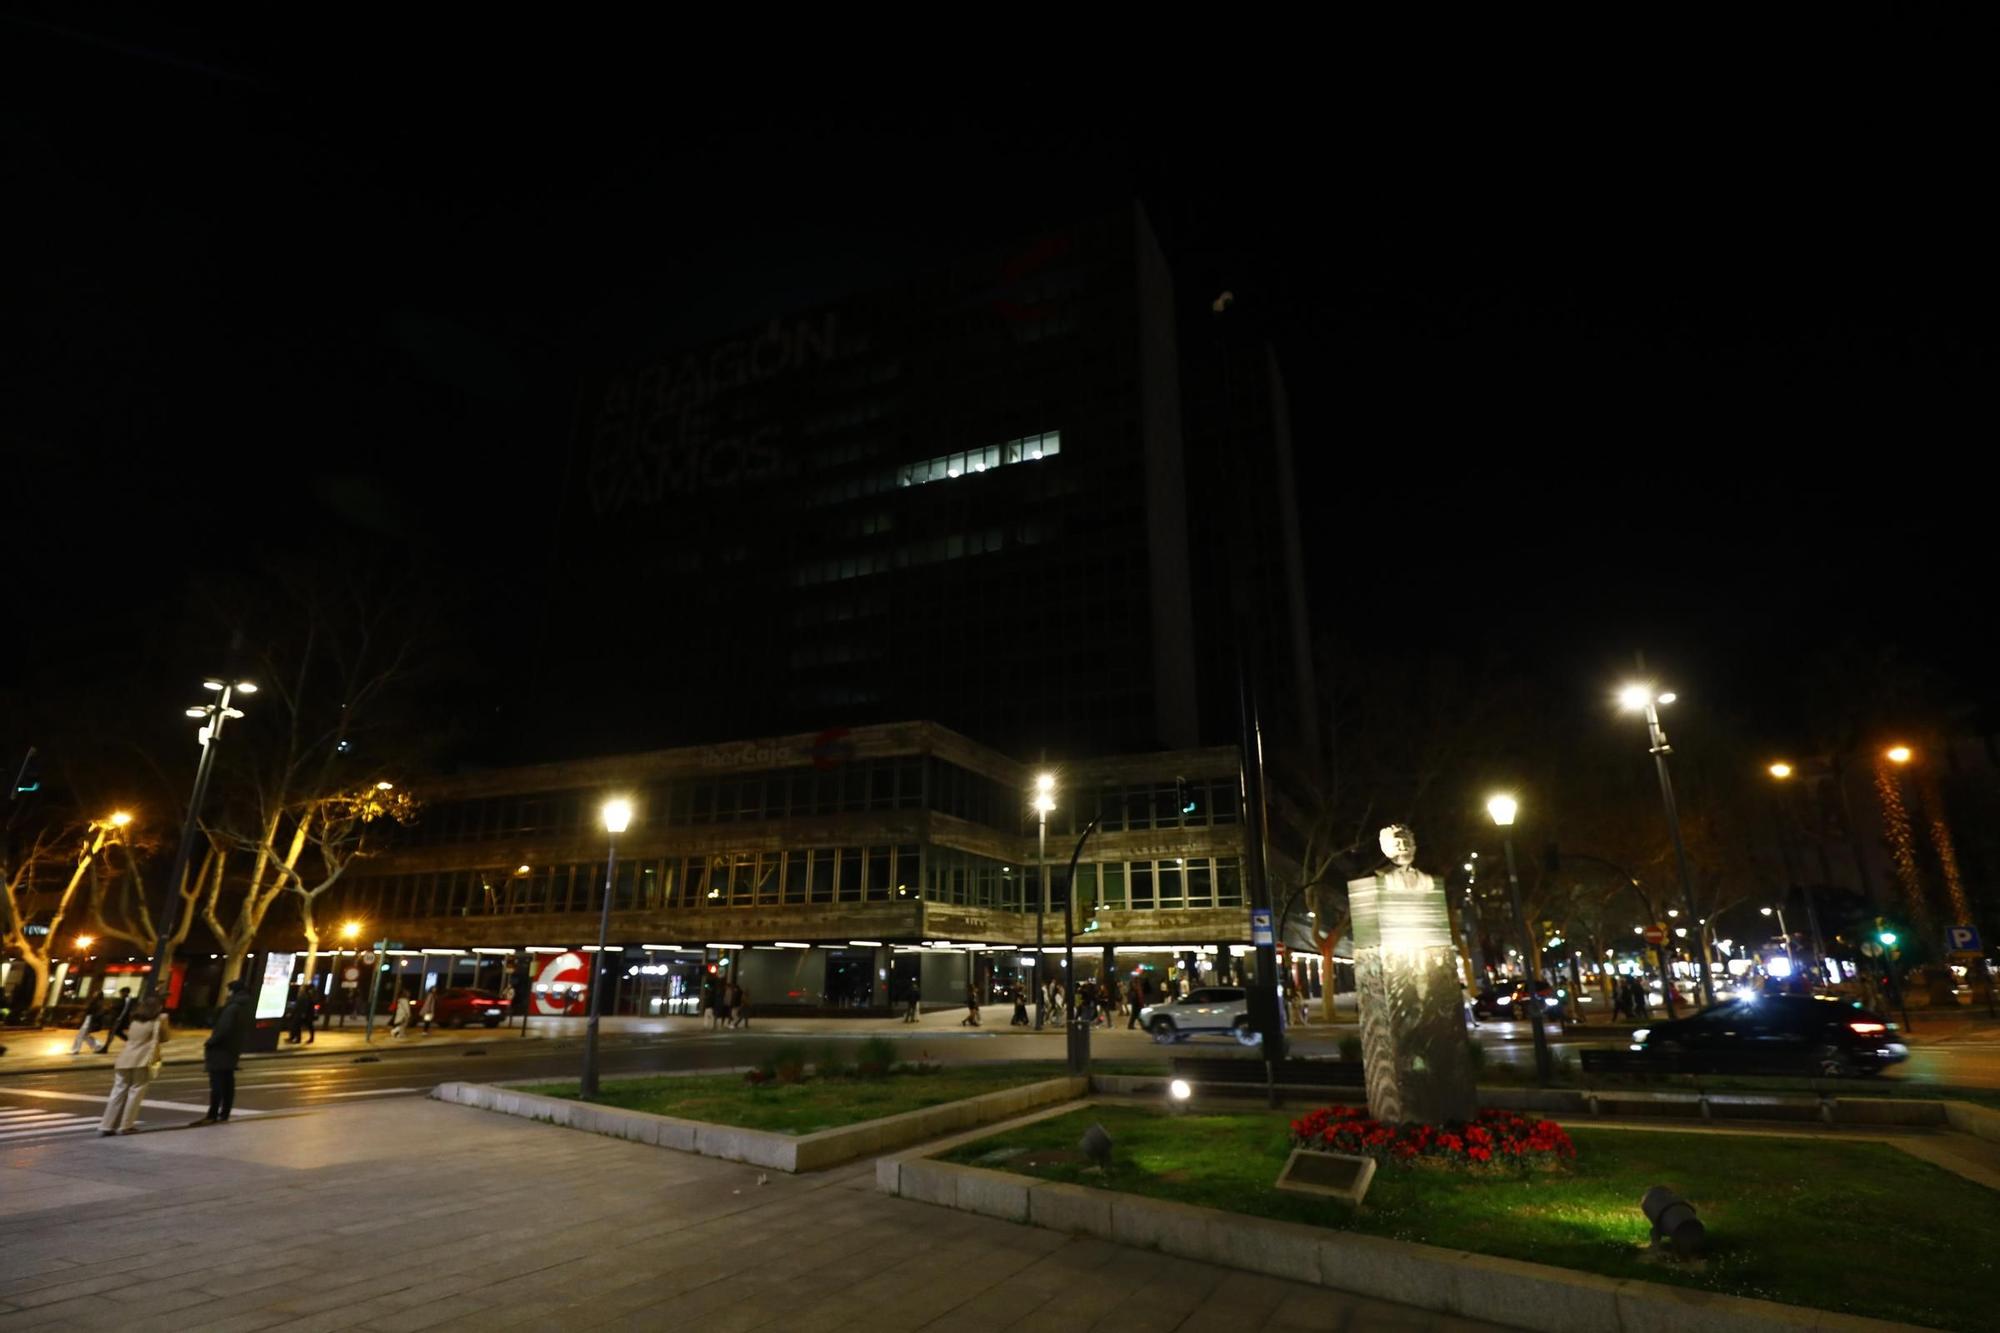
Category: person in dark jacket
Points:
column 223, row 1050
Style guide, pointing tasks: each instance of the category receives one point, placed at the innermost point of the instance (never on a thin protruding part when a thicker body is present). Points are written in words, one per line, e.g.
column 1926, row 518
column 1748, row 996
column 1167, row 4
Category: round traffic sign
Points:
column 1656, row 934
column 351, row 974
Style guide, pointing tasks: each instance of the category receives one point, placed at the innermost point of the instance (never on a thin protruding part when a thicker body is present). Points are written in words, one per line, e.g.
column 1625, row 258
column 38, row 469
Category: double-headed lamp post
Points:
column 1642, row 699
column 617, row 818
column 213, row 716
column 1503, row 809
column 1045, row 801
column 1767, row 911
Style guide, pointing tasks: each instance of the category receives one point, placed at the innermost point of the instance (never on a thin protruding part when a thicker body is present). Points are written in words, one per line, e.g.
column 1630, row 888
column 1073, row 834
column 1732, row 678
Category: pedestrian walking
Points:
column 1019, row 995
column 399, row 1019
column 912, row 997
column 1471, row 1009
column 1137, row 1002
column 430, row 1010
column 739, row 1006
column 1114, row 1002
column 223, row 1051
column 93, row 1014
column 310, row 1001
column 295, row 1019
column 134, row 1068
column 971, row 1019
column 123, row 1018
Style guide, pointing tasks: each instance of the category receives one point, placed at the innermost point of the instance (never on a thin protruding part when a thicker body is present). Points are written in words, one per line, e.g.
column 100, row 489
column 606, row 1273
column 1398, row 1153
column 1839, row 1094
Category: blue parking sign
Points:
column 1964, row 939
column 1260, row 926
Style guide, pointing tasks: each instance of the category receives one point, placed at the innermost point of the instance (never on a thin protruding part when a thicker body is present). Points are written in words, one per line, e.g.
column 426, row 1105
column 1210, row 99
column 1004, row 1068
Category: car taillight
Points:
column 1868, row 1029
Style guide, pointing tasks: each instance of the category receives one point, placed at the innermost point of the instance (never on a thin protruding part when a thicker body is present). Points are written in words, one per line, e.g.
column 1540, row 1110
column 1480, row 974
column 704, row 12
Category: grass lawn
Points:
column 802, row 1108
column 1855, row 1227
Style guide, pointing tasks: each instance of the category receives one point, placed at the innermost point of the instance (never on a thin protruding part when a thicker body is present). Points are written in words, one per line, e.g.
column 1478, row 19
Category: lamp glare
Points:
column 1502, row 808
column 617, row 815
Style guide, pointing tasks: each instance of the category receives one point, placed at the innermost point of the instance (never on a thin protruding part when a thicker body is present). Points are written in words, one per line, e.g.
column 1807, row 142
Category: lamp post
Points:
column 350, row 931
column 1767, row 911
column 214, row 715
column 1640, row 698
column 1503, row 809
column 617, row 817
column 1781, row 772
column 1045, row 801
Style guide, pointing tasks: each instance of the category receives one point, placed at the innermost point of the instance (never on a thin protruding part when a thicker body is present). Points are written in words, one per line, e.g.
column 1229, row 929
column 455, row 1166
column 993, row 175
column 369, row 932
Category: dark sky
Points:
column 1717, row 387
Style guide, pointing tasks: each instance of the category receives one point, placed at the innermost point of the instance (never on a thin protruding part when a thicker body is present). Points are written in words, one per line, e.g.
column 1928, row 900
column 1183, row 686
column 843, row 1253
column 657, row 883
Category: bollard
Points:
column 1674, row 1222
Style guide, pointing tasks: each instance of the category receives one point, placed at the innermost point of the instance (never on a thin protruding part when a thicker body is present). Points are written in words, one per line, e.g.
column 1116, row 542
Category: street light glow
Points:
column 385, row 786
column 617, row 814
column 1502, row 808
column 1045, row 782
column 1045, row 803
column 1899, row 754
column 1668, row 697
column 120, row 818
column 211, row 685
column 1765, row 911
column 246, row 687
column 350, row 930
column 85, row 941
column 1635, row 697
column 1781, row 770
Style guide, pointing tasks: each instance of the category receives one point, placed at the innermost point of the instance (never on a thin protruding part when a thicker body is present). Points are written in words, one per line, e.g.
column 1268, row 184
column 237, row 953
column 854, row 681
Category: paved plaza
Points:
column 415, row 1215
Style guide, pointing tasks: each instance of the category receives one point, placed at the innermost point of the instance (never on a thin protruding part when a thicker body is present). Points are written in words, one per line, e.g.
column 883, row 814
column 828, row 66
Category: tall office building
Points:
column 966, row 498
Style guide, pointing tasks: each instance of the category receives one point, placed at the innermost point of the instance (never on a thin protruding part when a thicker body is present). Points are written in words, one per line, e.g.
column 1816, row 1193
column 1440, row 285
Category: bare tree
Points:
column 311, row 770
column 60, row 852
column 121, row 908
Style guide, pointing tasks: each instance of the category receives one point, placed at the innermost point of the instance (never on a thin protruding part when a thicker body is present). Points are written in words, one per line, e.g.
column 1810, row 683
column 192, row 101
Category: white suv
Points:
column 1210, row 1009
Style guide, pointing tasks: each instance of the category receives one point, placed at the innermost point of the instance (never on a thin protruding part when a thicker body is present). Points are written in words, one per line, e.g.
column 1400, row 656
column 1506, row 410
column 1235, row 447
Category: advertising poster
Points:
column 276, row 987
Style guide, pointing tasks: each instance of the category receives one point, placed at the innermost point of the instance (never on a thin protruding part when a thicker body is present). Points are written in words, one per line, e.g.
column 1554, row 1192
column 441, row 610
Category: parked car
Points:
column 1512, row 1001
column 1777, row 1034
column 1209, row 1009
column 460, row 1005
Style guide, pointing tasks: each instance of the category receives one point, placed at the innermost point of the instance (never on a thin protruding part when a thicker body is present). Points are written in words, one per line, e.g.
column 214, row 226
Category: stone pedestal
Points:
column 1412, row 1008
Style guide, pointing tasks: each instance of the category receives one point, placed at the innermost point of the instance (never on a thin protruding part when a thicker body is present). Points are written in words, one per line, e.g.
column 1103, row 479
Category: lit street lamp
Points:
column 1640, row 698
column 617, row 814
column 1782, row 773
column 1503, row 809
column 214, row 715
column 1045, row 801
column 1767, row 911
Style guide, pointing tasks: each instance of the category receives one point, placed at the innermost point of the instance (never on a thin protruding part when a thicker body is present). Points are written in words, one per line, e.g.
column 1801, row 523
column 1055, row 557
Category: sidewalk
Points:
column 417, row 1215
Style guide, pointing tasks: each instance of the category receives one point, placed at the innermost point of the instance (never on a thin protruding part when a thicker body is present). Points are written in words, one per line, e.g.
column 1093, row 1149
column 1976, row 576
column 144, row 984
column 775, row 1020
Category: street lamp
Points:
column 1503, row 809
column 1899, row 754
column 1044, row 801
column 1767, row 911
column 1641, row 698
column 1782, row 772
column 350, row 930
column 213, row 716
column 617, row 814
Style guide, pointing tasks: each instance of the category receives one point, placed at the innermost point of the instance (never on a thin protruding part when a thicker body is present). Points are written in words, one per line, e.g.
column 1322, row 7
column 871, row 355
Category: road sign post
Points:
column 1965, row 940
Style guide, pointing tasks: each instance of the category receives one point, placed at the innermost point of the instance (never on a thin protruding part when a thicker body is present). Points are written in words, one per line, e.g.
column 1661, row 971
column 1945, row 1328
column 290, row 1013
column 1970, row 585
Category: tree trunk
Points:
column 38, row 994
column 312, row 944
column 1328, row 970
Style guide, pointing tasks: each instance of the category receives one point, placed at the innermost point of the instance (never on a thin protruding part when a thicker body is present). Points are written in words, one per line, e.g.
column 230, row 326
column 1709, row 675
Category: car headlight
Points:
column 1639, row 1035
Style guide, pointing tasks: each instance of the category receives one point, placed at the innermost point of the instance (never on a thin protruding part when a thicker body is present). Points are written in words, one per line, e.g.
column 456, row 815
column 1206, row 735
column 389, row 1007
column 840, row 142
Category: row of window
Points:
column 945, row 467
column 796, row 877
column 861, row 785
column 880, row 784
column 957, row 546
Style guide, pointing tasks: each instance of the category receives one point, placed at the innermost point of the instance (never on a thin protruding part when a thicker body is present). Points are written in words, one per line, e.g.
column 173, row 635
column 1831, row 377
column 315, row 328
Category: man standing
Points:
column 93, row 1013
column 223, row 1051
column 430, row 1009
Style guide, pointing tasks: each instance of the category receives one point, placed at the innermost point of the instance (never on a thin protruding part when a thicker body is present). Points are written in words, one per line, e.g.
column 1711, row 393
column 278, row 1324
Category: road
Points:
column 57, row 1104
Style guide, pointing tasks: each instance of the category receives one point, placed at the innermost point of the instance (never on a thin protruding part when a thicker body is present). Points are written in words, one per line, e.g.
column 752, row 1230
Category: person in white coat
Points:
column 400, row 1023
column 134, row 1068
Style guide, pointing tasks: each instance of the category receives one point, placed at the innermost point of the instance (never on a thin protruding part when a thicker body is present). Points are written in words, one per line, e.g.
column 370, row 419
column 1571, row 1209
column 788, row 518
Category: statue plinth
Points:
column 1412, row 1007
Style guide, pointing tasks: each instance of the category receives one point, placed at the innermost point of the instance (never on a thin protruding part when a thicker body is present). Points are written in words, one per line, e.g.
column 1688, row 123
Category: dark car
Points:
column 1512, row 1001
column 1777, row 1034
column 460, row 1005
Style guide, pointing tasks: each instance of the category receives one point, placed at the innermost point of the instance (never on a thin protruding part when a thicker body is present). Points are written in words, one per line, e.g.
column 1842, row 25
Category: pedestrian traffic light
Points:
column 1888, row 938
column 1189, row 804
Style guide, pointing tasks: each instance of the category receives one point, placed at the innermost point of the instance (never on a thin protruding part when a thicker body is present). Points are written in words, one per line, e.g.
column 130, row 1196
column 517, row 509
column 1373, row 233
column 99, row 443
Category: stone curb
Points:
column 1982, row 1122
column 758, row 1147
column 1476, row 1286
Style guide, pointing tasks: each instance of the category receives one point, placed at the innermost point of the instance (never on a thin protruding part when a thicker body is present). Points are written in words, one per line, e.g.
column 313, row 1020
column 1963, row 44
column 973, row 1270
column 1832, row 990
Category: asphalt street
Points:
column 37, row 1106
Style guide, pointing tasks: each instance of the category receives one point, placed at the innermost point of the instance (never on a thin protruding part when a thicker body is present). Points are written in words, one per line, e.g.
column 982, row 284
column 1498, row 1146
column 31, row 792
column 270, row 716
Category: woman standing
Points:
column 430, row 1009
column 399, row 1021
column 134, row 1068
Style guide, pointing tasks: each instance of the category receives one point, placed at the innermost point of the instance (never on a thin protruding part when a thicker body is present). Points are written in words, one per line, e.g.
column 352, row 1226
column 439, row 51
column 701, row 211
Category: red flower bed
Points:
column 1492, row 1138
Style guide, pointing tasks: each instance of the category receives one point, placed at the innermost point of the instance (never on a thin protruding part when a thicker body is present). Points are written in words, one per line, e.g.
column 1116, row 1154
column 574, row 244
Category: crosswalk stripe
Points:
column 44, row 1130
column 30, row 1117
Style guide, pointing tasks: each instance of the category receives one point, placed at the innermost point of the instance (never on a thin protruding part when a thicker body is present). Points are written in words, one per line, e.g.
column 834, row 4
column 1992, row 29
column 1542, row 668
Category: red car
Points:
column 458, row 1006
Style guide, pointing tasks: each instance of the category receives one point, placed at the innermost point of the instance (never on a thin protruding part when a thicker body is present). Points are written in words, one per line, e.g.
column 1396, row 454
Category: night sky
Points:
column 1719, row 390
